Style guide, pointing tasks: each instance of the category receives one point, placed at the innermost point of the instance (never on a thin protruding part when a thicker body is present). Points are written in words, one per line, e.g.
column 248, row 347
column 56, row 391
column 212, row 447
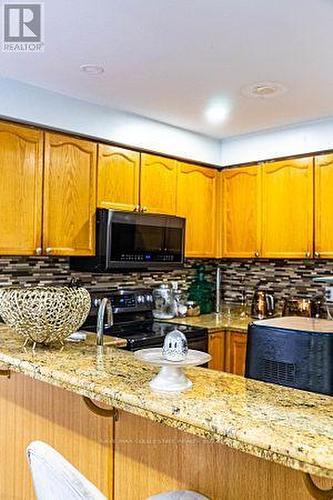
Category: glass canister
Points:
column 164, row 302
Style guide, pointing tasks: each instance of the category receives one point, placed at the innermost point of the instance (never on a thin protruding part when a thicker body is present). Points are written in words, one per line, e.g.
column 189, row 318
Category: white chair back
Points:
column 179, row 495
column 56, row 479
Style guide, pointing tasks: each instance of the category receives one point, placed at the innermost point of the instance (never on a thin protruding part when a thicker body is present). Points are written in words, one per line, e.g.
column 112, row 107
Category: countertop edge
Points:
column 213, row 323
column 27, row 369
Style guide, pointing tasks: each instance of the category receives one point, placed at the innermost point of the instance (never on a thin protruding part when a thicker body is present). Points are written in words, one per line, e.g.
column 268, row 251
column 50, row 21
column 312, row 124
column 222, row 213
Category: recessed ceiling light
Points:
column 264, row 90
column 92, row 69
column 217, row 111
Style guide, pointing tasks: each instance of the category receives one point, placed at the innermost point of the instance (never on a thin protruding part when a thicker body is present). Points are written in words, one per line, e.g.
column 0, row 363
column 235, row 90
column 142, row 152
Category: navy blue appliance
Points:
column 292, row 351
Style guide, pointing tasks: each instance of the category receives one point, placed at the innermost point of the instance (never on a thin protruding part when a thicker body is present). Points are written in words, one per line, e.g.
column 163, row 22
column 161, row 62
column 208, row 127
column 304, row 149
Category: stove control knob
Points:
column 140, row 299
column 97, row 302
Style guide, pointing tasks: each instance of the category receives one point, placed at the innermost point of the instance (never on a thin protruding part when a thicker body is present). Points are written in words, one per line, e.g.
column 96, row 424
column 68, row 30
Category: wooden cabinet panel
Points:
column 32, row 410
column 158, row 184
column 196, row 201
column 235, row 352
column 69, row 195
column 21, row 169
column 118, row 178
column 241, row 212
column 151, row 458
column 216, row 348
column 288, row 209
column 324, row 206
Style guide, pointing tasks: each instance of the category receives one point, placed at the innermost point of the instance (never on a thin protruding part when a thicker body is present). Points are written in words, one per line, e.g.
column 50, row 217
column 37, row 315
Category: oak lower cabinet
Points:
column 21, row 181
column 216, row 348
column 324, row 206
column 196, row 201
column 235, row 352
column 118, row 178
column 32, row 410
column 228, row 351
column 287, row 209
column 131, row 458
column 69, row 195
column 158, row 184
column 150, row 458
column 241, row 212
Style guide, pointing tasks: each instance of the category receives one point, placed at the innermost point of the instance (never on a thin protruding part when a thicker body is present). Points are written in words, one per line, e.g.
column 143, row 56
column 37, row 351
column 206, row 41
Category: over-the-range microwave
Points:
column 132, row 240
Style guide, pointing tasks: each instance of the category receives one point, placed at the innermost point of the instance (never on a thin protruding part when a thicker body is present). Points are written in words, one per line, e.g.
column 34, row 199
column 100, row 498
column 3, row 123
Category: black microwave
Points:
column 132, row 240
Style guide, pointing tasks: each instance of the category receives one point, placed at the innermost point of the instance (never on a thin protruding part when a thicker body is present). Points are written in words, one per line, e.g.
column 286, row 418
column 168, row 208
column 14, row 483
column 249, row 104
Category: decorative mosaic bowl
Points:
column 44, row 315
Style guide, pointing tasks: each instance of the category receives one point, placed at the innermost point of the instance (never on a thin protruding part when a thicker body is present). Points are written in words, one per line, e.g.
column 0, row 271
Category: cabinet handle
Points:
column 144, row 209
column 257, row 254
column 136, row 208
column 101, row 412
column 48, row 250
column 317, row 255
column 5, row 372
column 314, row 490
column 38, row 251
column 307, row 254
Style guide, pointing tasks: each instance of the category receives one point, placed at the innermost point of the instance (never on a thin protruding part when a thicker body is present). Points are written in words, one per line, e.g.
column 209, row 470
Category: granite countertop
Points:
column 290, row 427
column 108, row 340
column 215, row 322
column 90, row 339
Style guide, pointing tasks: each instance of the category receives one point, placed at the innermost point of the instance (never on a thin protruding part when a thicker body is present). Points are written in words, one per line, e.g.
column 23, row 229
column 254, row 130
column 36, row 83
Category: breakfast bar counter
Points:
column 279, row 425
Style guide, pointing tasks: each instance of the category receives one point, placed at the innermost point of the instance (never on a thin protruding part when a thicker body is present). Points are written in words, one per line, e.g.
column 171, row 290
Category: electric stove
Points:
column 133, row 320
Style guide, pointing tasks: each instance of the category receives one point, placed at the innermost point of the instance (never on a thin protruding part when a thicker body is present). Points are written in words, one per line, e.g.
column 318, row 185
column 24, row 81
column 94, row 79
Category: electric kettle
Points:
column 263, row 304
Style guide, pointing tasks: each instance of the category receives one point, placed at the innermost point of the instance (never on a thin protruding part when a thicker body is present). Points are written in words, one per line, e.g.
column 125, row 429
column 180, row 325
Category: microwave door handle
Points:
column 108, row 240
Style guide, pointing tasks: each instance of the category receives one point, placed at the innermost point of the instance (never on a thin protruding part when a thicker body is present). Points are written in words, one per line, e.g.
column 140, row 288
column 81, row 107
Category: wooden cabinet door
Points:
column 216, row 348
column 288, row 209
column 21, row 179
column 241, row 212
column 69, row 195
column 31, row 410
column 196, row 201
column 324, row 206
column 118, row 178
column 151, row 458
column 158, row 184
column 235, row 352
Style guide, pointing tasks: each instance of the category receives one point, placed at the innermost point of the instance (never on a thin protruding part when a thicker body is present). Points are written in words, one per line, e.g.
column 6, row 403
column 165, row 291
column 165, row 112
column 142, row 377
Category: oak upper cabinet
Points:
column 69, row 195
column 241, row 212
column 196, row 201
column 287, row 218
column 324, row 206
column 21, row 169
column 235, row 352
column 158, row 184
column 118, row 178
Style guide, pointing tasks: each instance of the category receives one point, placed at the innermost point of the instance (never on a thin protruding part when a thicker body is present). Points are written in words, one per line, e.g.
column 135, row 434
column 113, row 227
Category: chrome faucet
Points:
column 102, row 305
column 218, row 290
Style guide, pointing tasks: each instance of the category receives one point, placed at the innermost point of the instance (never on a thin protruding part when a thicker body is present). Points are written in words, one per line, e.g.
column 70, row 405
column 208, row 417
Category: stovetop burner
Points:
column 150, row 332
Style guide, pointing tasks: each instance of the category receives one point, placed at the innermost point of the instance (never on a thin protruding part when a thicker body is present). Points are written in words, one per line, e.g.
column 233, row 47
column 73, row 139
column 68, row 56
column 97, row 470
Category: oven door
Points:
column 143, row 240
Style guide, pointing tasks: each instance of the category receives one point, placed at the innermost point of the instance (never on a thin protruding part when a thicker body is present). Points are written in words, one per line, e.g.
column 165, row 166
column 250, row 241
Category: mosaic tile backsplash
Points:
column 282, row 277
column 27, row 271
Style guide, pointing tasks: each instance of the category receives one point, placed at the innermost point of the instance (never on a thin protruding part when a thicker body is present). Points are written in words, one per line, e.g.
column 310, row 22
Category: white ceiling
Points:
column 167, row 59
